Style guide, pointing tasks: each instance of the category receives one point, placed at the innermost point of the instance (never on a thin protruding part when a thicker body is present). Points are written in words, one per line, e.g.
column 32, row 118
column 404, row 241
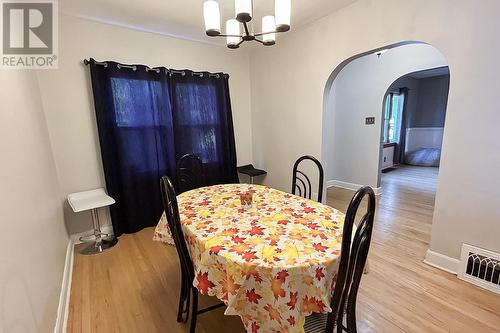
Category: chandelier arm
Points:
column 222, row 35
column 270, row 32
column 247, row 32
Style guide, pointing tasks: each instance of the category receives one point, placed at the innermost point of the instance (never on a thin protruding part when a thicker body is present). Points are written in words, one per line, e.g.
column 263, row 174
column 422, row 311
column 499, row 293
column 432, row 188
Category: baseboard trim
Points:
column 63, row 308
column 350, row 186
column 442, row 262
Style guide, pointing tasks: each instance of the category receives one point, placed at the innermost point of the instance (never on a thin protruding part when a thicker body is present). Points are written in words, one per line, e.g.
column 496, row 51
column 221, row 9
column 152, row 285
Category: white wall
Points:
column 288, row 85
column 68, row 101
column 352, row 148
column 33, row 239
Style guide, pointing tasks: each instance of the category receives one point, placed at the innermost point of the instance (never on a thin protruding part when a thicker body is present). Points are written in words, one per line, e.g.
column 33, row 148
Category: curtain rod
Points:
column 157, row 69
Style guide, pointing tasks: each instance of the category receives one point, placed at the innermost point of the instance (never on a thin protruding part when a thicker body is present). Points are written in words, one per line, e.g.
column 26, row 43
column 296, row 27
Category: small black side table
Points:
column 250, row 171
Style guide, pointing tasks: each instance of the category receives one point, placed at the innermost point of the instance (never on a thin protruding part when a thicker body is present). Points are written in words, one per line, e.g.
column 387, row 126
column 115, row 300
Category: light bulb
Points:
column 268, row 29
column 233, row 32
column 212, row 17
column 282, row 11
column 243, row 10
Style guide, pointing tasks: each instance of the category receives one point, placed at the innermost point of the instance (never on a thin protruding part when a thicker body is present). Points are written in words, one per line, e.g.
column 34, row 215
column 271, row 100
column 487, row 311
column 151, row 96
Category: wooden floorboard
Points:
column 134, row 287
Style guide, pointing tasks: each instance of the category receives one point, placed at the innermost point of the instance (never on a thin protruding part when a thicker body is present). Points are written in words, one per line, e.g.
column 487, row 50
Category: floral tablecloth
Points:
column 272, row 264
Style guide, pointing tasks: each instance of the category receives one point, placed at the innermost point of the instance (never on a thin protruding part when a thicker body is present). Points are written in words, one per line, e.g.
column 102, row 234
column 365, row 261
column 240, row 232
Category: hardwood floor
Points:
column 134, row 287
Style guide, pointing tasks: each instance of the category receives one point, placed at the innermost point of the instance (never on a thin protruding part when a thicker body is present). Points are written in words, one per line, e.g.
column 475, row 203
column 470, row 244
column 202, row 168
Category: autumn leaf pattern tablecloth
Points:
column 272, row 264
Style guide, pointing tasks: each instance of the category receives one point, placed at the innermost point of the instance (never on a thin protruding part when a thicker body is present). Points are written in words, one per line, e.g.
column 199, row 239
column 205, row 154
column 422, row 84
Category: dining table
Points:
column 272, row 264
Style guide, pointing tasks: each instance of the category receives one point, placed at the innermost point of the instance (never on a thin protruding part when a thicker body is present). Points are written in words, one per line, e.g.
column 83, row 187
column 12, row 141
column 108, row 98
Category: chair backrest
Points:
column 301, row 184
column 174, row 223
column 190, row 173
column 353, row 258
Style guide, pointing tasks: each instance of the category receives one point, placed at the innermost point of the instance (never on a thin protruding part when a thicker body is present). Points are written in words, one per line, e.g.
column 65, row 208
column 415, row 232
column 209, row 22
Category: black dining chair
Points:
column 190, row 173
column 353, row 258
column 187, row 269
column 301, row 182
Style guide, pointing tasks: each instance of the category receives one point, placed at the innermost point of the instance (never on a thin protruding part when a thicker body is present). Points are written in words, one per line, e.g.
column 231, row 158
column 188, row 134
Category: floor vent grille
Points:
column 480, row 267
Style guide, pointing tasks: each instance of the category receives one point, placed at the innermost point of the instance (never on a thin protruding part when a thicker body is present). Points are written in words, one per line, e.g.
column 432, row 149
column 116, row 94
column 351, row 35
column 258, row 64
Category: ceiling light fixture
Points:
column 243, row 14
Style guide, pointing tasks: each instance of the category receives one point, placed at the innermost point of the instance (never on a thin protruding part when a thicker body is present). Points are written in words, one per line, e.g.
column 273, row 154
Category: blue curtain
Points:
column 399, row 154
column 147, row 119
column 203, row 123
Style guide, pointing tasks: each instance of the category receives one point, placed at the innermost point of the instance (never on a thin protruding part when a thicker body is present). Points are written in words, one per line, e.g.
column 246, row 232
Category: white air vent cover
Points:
column 480, row 267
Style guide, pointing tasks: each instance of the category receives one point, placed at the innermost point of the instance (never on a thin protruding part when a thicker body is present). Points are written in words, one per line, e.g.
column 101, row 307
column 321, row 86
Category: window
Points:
column 146, row 121
column 197, row 119
column 130, row 97
column 196, row 122
column 141, row 113
column 392, row 117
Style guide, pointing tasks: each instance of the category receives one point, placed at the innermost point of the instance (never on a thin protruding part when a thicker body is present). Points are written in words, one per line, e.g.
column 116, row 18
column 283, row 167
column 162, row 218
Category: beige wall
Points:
column 68, row 101
column 288, row 83
column 33, row 239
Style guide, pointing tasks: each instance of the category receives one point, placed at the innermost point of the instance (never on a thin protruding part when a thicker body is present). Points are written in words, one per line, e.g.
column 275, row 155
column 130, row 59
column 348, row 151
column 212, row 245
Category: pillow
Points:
column 424, row 157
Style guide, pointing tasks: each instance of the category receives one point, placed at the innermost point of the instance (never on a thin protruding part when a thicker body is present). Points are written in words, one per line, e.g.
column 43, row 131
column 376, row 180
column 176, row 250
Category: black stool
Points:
column 250, row 171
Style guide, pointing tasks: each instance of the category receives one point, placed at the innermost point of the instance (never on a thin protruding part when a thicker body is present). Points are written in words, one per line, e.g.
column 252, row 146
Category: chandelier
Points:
column 243, row 12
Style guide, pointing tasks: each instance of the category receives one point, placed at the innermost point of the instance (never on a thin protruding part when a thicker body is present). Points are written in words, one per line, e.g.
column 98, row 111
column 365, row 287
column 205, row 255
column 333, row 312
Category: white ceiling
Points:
column 184, row 18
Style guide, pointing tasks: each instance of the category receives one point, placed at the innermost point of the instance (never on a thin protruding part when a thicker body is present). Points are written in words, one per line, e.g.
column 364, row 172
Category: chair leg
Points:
column 351, row 317
column 182, row 298
column 194, row 311
column 187, row 289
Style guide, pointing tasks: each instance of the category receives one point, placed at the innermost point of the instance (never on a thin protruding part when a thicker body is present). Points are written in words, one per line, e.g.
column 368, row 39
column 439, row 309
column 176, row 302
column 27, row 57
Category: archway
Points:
column 355, row 91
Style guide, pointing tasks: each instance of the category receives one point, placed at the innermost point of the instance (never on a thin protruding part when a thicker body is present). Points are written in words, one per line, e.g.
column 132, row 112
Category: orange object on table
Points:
column 246, row 200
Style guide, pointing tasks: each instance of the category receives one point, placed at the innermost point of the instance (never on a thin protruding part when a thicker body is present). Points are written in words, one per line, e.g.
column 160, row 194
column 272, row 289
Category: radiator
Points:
column 423, row 137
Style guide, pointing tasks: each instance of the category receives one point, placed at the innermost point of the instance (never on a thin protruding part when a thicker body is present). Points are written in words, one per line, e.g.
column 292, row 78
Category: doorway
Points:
column 353, row 124
column 413, row 119
column 365, row 124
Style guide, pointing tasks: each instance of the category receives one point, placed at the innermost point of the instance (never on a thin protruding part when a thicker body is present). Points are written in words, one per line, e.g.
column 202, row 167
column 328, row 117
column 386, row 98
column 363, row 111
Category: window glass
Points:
column 198, row 119
column 392, row 117
column 130, row 97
